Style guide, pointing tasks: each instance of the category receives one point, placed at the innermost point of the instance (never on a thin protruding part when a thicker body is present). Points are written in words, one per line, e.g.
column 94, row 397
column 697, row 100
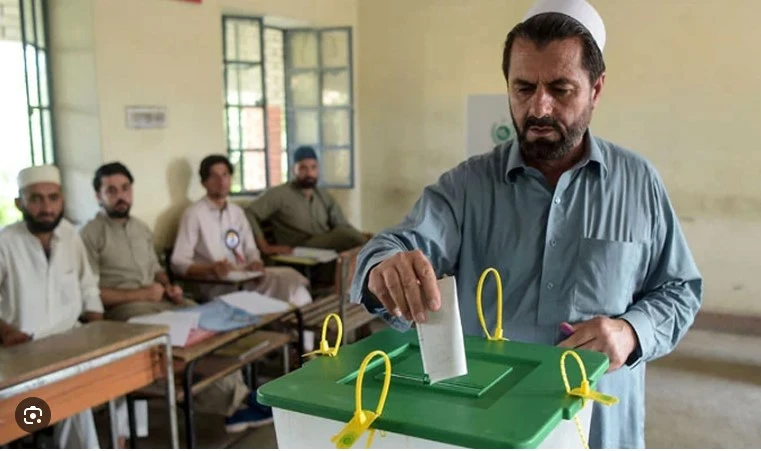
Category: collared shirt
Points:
column 44, row 296
column 294, row 217
column 121, row 255
column 208, row 234
column 604, row 241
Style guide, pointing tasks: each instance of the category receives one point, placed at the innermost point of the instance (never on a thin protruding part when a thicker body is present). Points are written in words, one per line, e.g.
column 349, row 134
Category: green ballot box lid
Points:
column 512, row 397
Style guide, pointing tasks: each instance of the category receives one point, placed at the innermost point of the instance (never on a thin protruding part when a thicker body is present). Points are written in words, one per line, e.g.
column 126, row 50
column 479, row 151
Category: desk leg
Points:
column 132, row 422
column 248, row 376
column 170, row 398
column 300, row 341
column 187, row 385
column 113, row 423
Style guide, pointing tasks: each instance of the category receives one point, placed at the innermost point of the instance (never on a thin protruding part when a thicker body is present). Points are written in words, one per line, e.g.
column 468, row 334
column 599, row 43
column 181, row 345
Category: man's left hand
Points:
column 174, row 293
column 614, row 337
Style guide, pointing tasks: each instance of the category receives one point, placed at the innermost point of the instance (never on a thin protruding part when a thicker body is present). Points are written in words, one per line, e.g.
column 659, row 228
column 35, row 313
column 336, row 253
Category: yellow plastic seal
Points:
column 325, row 348
column 498, row 328
column 362, row 419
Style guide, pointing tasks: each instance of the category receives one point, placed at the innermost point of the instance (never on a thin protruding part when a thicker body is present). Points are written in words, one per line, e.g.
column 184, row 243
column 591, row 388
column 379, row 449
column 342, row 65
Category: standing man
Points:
column 46, row 285
column 133, row 283
column 301, row 213
column 581, row 230
column 215, row 238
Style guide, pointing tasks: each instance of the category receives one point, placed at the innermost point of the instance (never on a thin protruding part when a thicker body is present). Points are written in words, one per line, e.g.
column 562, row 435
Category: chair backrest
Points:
column 346, row 266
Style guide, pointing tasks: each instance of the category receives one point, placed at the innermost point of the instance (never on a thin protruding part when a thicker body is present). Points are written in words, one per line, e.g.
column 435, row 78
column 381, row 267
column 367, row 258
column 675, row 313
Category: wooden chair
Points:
column 353, row 316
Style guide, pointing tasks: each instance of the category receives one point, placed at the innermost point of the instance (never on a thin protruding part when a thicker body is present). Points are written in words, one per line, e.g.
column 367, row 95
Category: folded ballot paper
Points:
column 224, row 313
column 442, row 345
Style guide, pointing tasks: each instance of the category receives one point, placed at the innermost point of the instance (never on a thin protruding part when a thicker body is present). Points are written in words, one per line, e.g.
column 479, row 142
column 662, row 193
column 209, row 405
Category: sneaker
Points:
column 250, row 417
column 253, row 403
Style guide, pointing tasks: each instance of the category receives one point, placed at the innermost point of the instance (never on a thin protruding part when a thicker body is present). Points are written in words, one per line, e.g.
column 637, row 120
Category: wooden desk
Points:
column 239, row 284
column 83, row 368
column 211, row 368
column 306, row 262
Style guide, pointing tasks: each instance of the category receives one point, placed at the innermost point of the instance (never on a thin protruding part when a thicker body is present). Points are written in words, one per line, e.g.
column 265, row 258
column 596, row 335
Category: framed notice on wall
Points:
column 146, row 116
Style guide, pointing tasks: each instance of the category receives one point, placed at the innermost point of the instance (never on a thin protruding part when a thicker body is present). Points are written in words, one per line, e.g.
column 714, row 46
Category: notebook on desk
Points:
column 180, row 323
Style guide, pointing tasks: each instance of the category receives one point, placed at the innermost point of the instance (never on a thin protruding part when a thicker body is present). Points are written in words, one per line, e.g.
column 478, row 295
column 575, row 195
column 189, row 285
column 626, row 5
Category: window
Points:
column 283, row 89
column 25, row 111
column 319, row 100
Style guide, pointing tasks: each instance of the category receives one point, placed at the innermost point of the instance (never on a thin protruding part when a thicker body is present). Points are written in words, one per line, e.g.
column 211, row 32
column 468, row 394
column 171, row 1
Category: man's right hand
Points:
column 221, row 269
column 155, row 292
column 10, row 336
column 406, row 285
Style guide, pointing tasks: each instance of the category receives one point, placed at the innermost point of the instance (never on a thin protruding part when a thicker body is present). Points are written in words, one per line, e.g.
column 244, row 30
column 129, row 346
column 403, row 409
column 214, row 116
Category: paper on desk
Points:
column 235, row 276
column 255, row 303
column 180, row 324
column 442, row 345
column 321, row 255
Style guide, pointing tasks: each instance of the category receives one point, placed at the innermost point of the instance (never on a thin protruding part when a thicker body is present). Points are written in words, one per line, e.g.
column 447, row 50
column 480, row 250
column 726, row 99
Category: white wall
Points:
column 156, row 52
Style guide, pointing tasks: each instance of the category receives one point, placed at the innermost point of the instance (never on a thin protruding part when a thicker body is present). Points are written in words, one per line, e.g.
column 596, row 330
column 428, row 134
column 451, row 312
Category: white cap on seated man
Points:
column 46, row 285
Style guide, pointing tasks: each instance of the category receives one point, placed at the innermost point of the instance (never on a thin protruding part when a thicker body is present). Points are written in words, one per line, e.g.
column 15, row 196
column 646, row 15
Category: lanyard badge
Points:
column 232, row 241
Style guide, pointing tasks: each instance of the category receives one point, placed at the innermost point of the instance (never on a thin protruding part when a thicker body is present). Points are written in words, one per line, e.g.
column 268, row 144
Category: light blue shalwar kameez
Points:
column 606, row 241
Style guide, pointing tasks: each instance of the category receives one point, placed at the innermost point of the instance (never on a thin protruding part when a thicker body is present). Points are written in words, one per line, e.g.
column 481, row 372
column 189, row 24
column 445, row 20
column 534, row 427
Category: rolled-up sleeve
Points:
column 666, row 305
column 433, row 226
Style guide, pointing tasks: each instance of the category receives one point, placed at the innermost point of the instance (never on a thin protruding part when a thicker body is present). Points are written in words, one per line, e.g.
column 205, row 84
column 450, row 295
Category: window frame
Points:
column 291, row 110
column 227, row 106
column 49, row 156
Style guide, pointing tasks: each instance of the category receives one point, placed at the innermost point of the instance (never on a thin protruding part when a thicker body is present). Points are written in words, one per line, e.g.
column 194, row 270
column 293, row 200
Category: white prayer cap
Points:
column 39, row 174
column 580, row 10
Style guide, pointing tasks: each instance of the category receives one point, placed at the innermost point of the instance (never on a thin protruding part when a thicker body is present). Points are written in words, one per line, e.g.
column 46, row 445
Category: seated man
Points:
column 215, row 238
column 46, row 285
column 133, row 283
column 120, row 249
column 301, row 213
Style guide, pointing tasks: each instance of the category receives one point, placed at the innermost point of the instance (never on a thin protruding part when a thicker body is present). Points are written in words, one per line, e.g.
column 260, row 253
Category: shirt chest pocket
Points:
column 606, row 272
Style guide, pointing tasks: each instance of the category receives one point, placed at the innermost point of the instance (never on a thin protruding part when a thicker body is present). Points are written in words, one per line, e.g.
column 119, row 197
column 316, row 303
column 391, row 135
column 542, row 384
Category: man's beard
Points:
column 306, row 182
column 40, row 226
column 118, row 214
column 545, row 149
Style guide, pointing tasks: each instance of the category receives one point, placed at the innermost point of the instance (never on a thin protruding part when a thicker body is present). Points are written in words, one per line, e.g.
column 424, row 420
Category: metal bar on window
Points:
column 265, row 111
column 240, row 116
column 226, row 88
column 349, row 56
column 37, row 70
column 22, row 14
column 320, row 78
column 49, row 78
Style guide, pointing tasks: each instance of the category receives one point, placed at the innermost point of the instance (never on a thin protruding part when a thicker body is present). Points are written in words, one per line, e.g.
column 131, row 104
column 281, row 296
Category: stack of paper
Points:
column 442, row 345
column 320, row 255
column 255, row 303
column 180, row 324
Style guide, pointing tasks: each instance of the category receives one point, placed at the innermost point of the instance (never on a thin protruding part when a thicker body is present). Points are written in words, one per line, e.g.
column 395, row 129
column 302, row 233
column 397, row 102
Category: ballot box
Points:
column 374, row 394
